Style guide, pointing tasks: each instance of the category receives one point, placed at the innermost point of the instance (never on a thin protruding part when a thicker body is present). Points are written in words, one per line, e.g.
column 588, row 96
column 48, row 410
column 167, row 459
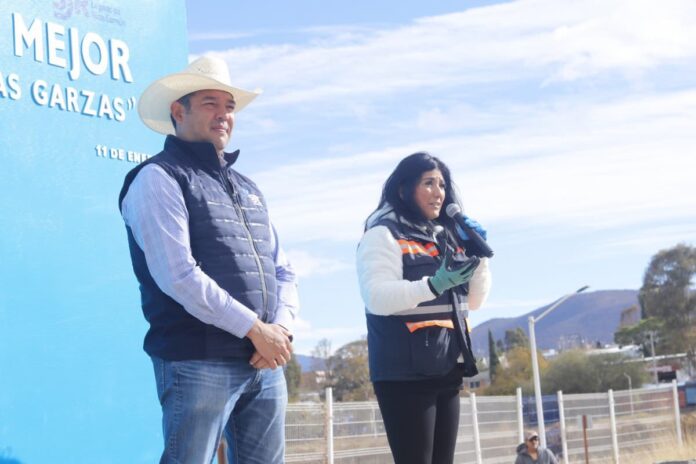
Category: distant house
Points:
column 480, row 380
column 571, row 342
column 630, row 351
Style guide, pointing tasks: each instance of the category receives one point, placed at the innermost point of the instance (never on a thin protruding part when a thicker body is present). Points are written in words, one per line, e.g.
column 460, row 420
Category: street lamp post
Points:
column 535, row 362
column 630, row 390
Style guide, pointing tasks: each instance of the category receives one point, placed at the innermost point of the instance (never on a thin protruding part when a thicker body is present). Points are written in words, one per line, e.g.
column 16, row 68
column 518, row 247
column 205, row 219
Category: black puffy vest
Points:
column 231, row 242
column 397, row 353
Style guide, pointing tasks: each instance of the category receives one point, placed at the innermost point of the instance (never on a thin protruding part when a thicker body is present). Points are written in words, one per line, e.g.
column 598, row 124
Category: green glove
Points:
column 447, row 277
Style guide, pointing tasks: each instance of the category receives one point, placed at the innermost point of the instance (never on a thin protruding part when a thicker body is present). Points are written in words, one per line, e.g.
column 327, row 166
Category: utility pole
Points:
column 652, row 349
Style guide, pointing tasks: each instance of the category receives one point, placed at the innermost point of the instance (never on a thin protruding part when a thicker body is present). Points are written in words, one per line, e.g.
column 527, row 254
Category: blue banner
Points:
column 75, row 385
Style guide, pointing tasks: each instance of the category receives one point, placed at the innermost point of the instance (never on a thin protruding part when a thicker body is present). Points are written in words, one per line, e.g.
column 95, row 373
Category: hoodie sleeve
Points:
column 551, row 456
column 479, row 285
column 522, row 456
column 380, row 275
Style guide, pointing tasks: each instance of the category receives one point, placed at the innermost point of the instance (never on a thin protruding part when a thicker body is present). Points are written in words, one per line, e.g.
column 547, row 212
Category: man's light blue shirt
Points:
column 155, row 211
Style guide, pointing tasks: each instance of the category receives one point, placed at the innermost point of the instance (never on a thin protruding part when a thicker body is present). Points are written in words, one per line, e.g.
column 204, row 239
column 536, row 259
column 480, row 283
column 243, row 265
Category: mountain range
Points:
column 591, row 317
column 307, row 363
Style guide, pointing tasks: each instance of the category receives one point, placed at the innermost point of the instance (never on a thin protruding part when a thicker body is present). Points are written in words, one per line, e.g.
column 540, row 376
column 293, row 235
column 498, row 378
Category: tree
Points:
column 323, row 362
column 667, row 295
column 576, row 371
column 493, row 360
column 515, row 338
column 351, row 372
column 517, row 372
column 640, row 334
column 293, row 375
column 499, row 346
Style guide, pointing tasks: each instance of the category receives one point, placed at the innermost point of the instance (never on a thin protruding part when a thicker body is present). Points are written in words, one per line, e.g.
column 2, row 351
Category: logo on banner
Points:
column 100, row 11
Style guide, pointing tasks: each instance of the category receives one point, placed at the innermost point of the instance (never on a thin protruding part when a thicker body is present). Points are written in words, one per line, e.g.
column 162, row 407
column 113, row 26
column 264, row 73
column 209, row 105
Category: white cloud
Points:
column 458, row 117
column 221, row 36
column 653, row 236
column 626, row 36
column 523, row 156
column 544, row 39
column 587, row 166
column 306, row 264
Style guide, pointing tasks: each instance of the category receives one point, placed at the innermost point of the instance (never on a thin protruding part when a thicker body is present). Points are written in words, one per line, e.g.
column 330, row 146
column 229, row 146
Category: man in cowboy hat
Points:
column 530, row 452
column 217, row 290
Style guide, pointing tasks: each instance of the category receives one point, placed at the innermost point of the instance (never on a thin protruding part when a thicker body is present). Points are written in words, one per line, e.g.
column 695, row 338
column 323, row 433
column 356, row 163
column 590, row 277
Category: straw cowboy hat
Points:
column 205, row 73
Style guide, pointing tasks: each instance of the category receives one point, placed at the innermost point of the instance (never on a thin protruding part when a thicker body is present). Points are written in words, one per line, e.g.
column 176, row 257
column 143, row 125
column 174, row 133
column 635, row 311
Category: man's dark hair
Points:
column 400, row 187
column 186, row 102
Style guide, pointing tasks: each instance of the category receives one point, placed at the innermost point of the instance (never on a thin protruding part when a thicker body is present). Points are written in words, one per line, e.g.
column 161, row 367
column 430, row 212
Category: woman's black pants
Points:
column 421, row 424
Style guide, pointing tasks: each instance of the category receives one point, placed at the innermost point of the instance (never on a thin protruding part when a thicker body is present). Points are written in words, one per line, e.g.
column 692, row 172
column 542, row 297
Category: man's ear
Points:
column 177, row 109
column 401, row 193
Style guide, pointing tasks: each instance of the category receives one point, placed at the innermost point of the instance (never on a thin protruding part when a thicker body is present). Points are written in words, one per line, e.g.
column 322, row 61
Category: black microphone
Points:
column 481, row 247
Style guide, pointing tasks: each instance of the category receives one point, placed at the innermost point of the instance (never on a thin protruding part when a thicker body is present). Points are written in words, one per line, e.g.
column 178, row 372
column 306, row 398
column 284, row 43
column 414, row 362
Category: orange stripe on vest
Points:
column 414, row 248
column 413, row 326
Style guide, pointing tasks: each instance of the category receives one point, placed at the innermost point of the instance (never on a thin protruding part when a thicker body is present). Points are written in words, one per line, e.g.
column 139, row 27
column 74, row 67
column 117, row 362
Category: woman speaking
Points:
column 418, row 280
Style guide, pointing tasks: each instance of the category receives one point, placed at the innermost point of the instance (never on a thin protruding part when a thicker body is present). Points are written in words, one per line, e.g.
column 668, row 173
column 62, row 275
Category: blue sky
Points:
column 569, row 128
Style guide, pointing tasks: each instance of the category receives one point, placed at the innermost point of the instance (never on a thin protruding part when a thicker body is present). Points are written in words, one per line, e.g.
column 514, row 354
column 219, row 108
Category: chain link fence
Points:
column 491, row 427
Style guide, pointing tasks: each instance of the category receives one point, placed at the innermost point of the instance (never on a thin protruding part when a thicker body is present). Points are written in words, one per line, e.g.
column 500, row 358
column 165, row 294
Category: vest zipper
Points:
column 235, row 201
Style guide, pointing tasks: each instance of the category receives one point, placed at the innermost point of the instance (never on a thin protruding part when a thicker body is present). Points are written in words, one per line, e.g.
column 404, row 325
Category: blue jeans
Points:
column 201, row 399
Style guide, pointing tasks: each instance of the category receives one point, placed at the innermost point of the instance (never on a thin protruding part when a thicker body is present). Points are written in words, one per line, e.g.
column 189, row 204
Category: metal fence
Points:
column 491, row 427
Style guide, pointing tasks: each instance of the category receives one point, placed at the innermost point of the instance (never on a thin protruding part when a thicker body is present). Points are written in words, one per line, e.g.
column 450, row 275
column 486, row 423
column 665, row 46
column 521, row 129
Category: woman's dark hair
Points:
column 399, row 188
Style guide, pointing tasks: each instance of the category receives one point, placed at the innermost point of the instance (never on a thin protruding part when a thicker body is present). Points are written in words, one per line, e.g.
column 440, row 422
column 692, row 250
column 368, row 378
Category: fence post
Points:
column 614, row 435
column 328, row 425
column 584, row 438
column 374, row 421
column 474, row 423
column 520, row 417
column 677, row 414
column 561, row 420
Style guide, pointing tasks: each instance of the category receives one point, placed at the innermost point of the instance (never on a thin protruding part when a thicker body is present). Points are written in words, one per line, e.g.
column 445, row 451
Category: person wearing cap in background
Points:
column 216, row 288
column 530, row 452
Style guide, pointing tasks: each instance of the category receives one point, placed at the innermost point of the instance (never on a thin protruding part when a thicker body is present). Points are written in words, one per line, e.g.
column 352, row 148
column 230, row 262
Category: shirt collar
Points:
column 203, row 151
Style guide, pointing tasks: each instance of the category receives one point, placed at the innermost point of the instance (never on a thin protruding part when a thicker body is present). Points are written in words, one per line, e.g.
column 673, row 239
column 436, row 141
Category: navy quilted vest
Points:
column 396, row 352
column 230, row 240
